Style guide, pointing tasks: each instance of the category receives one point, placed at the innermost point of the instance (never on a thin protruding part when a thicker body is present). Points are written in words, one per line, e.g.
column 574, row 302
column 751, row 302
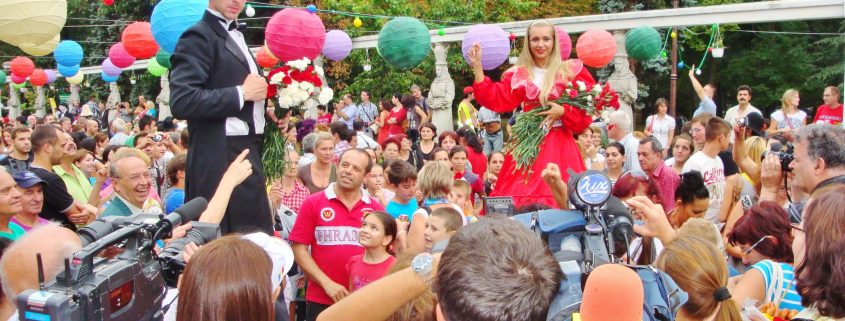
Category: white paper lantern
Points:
column 31, row 22
column 42, row 49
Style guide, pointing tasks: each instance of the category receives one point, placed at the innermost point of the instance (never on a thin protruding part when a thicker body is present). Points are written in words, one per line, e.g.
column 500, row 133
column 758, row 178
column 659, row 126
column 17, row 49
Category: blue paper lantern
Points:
column 172, row 17
column 68, row 53
column 68, row 71
column 494, row 42
column 110, row 69
column 107, row 78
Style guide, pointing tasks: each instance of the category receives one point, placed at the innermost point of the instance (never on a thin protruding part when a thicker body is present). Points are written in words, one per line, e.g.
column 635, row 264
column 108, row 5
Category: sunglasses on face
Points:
column 748, row 250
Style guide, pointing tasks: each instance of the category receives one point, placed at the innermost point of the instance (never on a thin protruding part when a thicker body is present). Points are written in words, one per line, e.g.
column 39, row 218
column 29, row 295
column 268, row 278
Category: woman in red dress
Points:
column 538, row 78
column 397, row 116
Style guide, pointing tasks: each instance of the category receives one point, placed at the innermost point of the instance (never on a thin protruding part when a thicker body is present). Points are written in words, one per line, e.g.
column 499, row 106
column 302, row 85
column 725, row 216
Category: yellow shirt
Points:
column 77, row 184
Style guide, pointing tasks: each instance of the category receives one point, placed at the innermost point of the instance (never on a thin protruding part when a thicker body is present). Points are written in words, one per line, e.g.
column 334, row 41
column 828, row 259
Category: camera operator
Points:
column 18, row 270
column 819, row 160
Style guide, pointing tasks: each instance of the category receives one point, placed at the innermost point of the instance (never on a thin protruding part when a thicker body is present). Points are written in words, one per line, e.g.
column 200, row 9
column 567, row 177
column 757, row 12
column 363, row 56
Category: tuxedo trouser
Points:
column 249, row 207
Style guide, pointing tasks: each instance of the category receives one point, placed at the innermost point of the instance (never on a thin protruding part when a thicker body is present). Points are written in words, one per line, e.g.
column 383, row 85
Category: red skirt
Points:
column 528, row 187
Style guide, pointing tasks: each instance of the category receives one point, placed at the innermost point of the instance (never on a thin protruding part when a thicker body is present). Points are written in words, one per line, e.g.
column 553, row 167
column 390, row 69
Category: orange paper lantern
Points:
column 138, row 40
column 38, row 78
column 22, row 66
column 265, row 60
column 596, row 48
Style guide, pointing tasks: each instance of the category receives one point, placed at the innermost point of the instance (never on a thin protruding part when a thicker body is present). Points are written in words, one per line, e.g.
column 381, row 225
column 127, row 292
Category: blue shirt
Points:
column 395, row 209
column 706, row 106
column 352, row 111
column 791, row 300
column 175, row 199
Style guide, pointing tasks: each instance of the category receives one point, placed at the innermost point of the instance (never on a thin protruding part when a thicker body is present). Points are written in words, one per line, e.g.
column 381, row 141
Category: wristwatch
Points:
column 422, row 265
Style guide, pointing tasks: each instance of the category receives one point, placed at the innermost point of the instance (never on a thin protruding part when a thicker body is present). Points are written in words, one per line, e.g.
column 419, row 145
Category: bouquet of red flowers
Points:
column 528, row 132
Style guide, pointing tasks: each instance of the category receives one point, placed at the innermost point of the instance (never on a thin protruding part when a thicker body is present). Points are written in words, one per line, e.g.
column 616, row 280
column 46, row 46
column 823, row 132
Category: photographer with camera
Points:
column 818, row 160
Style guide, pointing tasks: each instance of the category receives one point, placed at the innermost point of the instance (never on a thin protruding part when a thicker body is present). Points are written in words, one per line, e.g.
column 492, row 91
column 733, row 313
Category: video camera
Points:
column 130, row 286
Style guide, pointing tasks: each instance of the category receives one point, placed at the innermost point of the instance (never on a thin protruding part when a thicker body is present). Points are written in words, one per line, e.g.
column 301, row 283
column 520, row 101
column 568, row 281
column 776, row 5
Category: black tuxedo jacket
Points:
column 207, row 67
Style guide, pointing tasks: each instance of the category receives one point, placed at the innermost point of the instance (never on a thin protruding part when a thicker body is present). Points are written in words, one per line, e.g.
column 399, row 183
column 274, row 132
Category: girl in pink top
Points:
column 378, row 231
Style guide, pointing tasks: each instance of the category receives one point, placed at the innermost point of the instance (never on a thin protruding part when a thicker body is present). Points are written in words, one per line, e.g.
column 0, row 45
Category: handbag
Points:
column 374, row 128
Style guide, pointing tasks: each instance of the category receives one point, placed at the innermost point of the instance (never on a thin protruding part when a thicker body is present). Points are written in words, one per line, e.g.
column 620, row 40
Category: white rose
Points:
column 581, row 85
column 597, row 88
column 589, row 98
column 285, row 101
column 307, row 86
column 319, row 71
column 293, row 84
column 326, row 95
column 277, row 78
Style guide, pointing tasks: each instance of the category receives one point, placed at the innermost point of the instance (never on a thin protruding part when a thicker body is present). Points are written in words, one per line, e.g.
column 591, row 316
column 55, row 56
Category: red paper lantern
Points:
column 294, row 34
column 22, row 66
column 38, row 78
column 265, row 60
column 596, row 48
column 108, row 2
column 119, row 56
column 564, row 42
column 138, row 40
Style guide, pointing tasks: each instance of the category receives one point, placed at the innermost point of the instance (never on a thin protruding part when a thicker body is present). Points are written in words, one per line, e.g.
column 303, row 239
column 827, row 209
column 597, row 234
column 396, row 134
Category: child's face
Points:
column 406, row 190
column 460, row 197
column 375, row 179
column 435, row 231
column 321, row 112
column 371, row 234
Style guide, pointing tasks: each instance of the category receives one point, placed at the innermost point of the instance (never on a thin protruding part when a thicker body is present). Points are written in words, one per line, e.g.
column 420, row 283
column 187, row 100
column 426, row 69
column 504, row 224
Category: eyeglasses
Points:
column 694, row 131
column 797, row 228
column 748, row 250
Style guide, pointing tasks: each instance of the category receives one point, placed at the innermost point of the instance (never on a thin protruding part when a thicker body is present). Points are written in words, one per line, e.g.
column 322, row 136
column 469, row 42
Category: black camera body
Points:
column 786, row 154
column 130, row 286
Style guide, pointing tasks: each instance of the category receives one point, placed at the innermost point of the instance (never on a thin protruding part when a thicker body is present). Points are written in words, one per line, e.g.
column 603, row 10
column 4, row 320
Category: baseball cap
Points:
column 279, row 252
column 467, row 90
column 755, row 123
column 27, row 179
column 617, row 285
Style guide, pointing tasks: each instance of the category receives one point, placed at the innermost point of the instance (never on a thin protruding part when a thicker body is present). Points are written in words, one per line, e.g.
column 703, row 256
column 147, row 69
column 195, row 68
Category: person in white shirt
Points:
column 364, row 140
column 660, row 125
column 788, row 119
column 707, row 162
column 742, row 109
column 619, row 129
column 367, row 112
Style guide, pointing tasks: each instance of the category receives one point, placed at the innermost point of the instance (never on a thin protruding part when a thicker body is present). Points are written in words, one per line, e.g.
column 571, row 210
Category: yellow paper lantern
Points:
column 42, row 49
column 76, row 79
column 31, row 22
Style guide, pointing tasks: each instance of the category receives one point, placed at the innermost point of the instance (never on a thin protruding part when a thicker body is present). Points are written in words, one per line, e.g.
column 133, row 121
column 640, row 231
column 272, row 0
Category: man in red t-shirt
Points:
column 831, row 111
column 328, row 224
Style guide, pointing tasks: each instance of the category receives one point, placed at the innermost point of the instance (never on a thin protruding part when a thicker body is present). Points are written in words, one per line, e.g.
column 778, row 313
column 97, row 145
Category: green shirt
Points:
column 15, row 234
column 78, row 186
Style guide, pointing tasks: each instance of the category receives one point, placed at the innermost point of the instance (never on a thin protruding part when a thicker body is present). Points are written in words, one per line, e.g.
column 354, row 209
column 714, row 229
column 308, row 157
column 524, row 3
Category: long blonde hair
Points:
column 554, row 66
column 787, row 96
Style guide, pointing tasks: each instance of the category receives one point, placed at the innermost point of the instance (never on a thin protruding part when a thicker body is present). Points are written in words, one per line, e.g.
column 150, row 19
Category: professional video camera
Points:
column 130, row 286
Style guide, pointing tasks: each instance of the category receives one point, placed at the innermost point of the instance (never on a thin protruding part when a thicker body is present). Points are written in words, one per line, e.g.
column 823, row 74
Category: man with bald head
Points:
column 18, row 268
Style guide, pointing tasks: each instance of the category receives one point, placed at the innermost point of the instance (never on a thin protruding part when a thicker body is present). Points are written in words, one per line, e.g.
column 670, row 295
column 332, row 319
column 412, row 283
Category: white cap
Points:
column 279, row 252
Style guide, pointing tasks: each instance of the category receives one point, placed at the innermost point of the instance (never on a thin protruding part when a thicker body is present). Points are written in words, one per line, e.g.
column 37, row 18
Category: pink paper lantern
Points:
column 495, row 45
column 110, row 69
column 564, row 42
column 596, row 48
column 294, row 34
column 38, row 78
column 119, row 56
column 17, row 79
column 338, row 45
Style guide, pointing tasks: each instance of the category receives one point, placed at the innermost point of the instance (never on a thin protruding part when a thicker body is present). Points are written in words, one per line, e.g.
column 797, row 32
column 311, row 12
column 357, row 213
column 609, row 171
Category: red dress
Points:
column 558, row 146
column 398, row 117
column 382, row 132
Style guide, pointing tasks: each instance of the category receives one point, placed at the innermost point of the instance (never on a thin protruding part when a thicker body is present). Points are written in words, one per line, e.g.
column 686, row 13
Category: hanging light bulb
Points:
column 357, row 22
column 367, row 65
column 250, row 11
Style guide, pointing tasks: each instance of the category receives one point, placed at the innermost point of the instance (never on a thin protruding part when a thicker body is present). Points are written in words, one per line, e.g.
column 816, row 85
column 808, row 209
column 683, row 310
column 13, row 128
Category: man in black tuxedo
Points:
column 216, row 85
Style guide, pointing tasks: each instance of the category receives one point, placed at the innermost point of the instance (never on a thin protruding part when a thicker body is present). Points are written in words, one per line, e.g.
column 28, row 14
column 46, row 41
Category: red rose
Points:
column 573, row 93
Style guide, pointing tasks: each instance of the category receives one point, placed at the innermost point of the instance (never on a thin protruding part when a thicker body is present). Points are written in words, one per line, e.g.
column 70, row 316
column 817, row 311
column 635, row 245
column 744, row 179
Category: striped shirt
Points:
column 792, row 300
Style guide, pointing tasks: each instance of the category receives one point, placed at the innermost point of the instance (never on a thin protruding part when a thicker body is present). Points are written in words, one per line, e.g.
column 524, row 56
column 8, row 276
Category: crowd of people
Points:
column 379, row 214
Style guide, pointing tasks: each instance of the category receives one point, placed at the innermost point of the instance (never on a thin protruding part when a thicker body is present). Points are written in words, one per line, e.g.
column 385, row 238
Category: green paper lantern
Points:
column 20, row 85
column 163, row 59
column 2, row 77
column 155, row 69
column 643, row 43
column 404, row 42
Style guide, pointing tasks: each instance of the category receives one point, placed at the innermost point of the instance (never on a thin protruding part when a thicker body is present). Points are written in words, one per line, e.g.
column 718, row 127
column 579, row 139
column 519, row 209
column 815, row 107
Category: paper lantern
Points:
column 108, row 78
column 18, row 85
column 138, row 40
column 68, row 53
column 38, row 78
column 264, row 59
column 249, row 11
column 357, row 22
column 76, row 79
column 564, row 42
column 22, row 67
column 51, row 75
column 110, row 69
column 295, row 33
column 119, row 56
column 42, row 49
column 596, row 48
column 18, row 79
column 338, row 45
column 404, row 42
column 2, row 77
column 155, row 69
column 108, row 2
column 172, row 17
column 494, row 42
column 643, row 43
column 31, row 22
column 68, row 71
column 163, row 58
